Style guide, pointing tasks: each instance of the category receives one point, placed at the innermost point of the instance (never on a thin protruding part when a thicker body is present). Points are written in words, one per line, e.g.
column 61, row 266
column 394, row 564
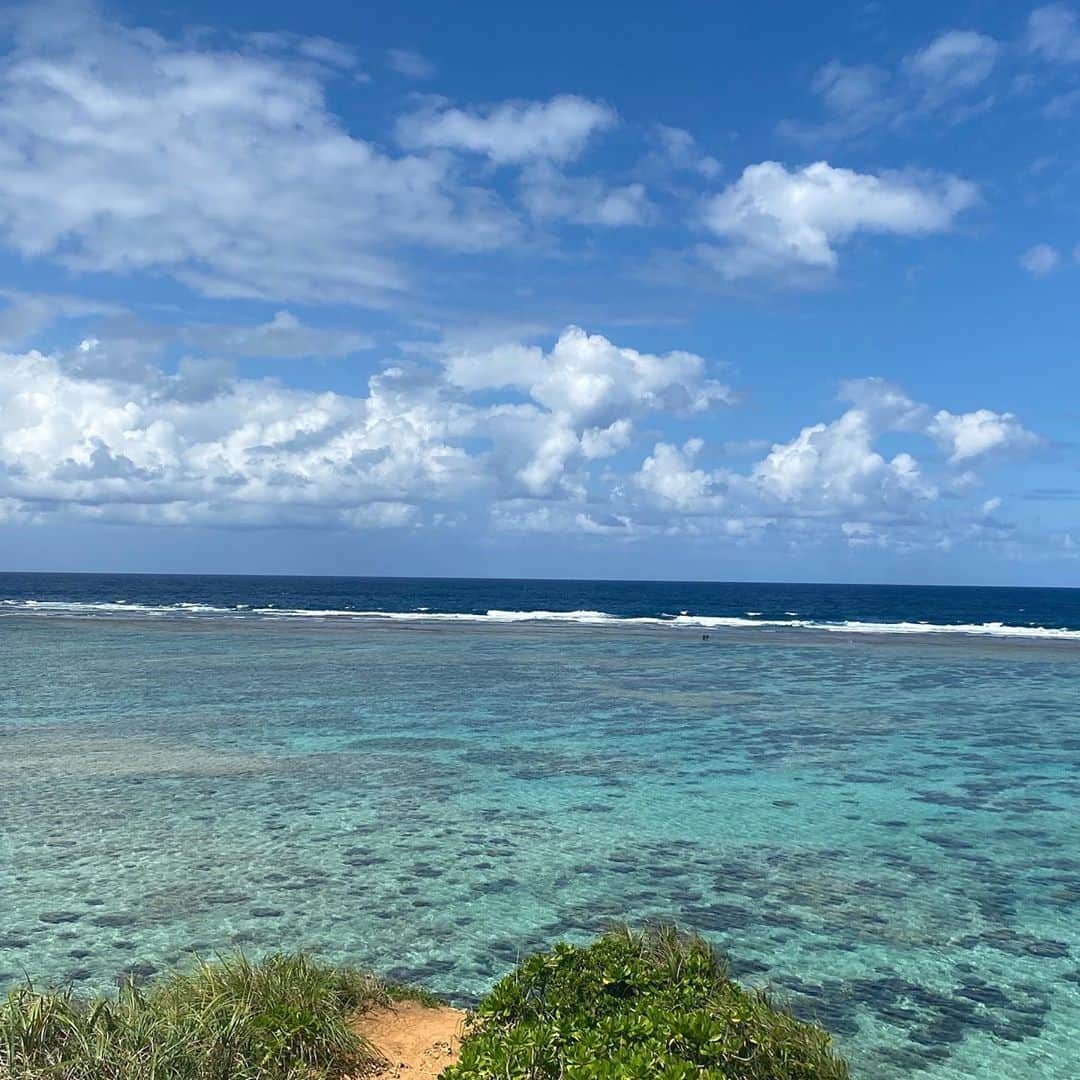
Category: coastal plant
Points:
column 284, row 1018
column 653, row 1003
column 649, row 1004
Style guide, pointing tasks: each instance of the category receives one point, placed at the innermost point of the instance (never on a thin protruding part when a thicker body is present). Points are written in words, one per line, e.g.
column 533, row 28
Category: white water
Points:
column 580, row 618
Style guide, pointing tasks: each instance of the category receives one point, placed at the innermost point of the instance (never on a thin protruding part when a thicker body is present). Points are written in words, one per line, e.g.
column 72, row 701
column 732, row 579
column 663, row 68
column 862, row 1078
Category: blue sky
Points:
column 684, row 291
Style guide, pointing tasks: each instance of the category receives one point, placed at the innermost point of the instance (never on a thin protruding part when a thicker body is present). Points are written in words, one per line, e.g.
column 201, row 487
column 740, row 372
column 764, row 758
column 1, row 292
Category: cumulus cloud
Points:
column 1040, row 260
column 223, row 167
column 779, row 222
column 581, row 400
column 184, row 449
column 669, row 477
column 837, row 464
column 592, row 381
column 886, row 405
column 83, row 436
column 835, row 468
column 834, row 475
column 522, row 437
column 510, row 132
column 971, row 435
column 122, row 150
column 542, row 138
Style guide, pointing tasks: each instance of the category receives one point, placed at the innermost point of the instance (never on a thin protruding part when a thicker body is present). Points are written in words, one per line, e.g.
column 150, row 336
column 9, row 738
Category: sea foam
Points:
column 752, row 620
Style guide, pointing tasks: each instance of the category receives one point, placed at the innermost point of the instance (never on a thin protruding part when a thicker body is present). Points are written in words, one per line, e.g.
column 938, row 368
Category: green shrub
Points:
column 652, row 1004
column 282, row 1019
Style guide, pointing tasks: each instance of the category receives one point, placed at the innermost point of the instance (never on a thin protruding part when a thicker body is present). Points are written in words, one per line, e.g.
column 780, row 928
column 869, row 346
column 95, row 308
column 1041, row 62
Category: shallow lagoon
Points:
column 886, row 831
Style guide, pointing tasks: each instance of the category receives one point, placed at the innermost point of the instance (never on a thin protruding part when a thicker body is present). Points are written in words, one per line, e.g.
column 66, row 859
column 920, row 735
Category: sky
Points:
column 682, row 291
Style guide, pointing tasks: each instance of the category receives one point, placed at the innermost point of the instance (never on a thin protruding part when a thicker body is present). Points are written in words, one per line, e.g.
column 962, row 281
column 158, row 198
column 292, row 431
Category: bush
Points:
column 282, row 1019
column 652, row 1004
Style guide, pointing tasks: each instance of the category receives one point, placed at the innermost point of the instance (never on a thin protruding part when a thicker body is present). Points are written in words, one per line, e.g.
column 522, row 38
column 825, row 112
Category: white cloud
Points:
column 327, row 51
column 604, row 442
column 848, row 89
column 536, row 438
column 282, row 337
column 857, row 531
column 123, row 151
column 24, row 314
column 856, row 96
column 946, row 79
column 970, row 435
column 1040, row 260
column 834, row 468
column 518, row 515
column 780, row 223
column 677, row 149
column 669, row 477
column 132, row 345
column 1062, row 106
column 510, row 132
column 380, row 515
column 592, row 381
column 227, row 451
column 320, row 50
column 885, row 404
column 1054, row 33
column 549, row 194
column 409, row 63
column 954, row 62
column 832, row 476
column 583, row 397
column 85, row 435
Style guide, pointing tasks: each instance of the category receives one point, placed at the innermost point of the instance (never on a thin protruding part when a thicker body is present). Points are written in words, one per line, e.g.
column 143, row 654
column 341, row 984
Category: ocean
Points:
column 867, row 796
column 1012, row 612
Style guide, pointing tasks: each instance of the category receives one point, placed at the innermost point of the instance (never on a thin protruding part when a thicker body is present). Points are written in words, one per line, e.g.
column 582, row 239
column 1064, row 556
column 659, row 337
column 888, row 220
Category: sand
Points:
column 417, row 1042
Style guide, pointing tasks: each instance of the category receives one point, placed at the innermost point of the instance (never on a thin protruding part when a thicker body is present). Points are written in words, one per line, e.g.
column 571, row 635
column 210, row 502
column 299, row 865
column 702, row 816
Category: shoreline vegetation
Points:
column 635, row 1003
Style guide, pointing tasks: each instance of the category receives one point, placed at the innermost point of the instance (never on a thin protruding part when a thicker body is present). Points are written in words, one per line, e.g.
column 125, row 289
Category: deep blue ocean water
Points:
column 875, row 817
column 867, row 607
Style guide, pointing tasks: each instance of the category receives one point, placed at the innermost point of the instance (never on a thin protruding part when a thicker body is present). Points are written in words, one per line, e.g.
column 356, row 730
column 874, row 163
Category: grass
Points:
column 654, row 1003
column 284, row 1018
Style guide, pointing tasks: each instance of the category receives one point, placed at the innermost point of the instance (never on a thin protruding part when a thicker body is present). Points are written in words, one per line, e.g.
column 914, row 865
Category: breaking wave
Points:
column 683, row 620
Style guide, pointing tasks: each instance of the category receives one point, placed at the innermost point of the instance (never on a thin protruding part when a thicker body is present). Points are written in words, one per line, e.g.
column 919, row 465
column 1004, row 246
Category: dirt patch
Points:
column 416, row 1041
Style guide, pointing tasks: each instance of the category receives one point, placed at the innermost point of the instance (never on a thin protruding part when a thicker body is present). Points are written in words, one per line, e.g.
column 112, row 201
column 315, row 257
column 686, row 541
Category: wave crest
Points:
column 497, row 615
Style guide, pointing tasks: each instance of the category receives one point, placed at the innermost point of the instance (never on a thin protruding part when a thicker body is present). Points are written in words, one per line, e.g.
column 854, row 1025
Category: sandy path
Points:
column 416, row 1041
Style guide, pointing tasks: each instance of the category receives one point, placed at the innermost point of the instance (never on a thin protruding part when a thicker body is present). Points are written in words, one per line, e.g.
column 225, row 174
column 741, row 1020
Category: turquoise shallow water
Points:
column 885, row 831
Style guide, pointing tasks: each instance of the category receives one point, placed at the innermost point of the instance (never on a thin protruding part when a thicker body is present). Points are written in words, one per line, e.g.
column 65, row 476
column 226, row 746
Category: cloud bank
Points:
column 516, row 437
